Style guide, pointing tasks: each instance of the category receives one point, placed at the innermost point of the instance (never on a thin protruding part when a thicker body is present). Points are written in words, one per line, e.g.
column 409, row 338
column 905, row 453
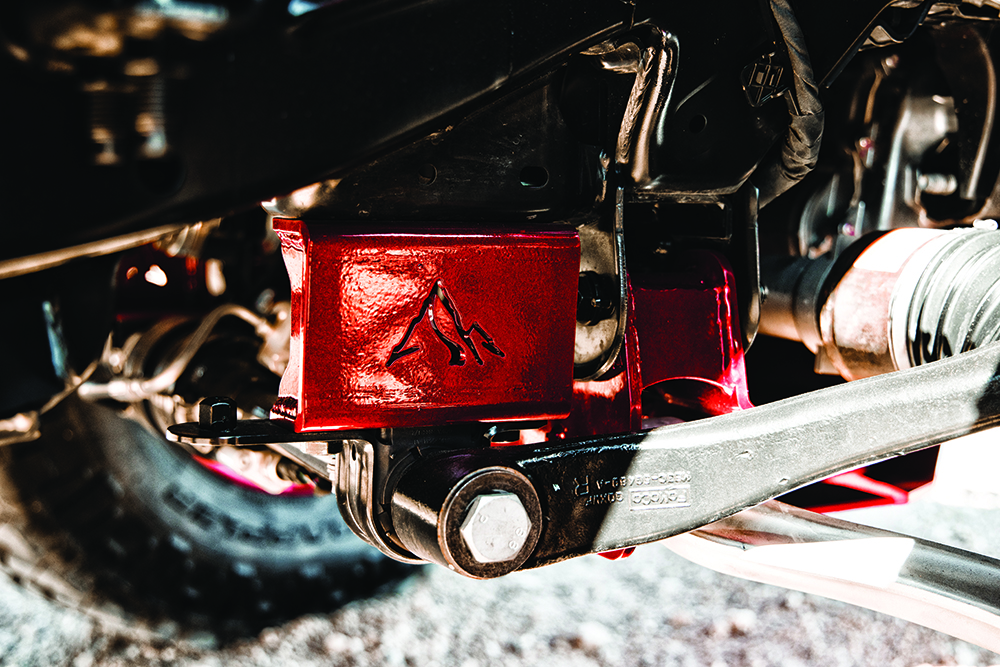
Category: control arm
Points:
column 486, row 511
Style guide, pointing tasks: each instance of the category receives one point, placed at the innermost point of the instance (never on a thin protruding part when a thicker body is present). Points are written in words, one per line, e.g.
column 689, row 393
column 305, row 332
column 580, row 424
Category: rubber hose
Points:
column 800, row 150
column 956, row 303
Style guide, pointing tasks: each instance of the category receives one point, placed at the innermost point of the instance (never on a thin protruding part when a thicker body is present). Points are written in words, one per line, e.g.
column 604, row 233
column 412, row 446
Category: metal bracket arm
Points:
column 613, row 492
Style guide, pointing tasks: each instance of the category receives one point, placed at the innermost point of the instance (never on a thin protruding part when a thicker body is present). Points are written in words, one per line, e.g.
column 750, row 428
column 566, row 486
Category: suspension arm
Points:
column 612, row 492
column 487, row 511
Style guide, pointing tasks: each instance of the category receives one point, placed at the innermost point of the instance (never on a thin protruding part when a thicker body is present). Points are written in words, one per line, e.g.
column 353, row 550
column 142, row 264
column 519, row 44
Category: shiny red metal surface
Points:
column 688, row 332
column 617, row 553
column 611, row 404
column 887, row 483
column 394, row 327
column 682, row 341
column 398, row 328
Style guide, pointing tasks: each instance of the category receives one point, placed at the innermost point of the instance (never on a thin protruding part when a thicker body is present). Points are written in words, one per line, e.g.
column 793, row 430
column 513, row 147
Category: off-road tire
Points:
column 105, row 516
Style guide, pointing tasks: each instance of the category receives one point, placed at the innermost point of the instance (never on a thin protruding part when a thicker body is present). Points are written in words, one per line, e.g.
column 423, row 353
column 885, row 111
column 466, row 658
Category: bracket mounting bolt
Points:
column 217, row 413
column 496, row 527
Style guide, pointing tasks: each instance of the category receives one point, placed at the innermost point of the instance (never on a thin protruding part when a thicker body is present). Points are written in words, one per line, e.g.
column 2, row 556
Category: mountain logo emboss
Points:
column 439, row 294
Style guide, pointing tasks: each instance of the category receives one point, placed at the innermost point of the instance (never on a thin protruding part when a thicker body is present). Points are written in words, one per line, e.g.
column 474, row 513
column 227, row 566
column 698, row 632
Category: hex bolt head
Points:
column 217, row 413
column 496, row 527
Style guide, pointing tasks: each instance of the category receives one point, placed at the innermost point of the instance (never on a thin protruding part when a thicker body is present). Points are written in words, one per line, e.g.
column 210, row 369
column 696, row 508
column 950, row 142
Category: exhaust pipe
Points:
column 954, row 591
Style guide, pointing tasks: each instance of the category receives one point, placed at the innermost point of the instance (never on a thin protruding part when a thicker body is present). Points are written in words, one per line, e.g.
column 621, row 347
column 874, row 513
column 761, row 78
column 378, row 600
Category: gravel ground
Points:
column 653, row 608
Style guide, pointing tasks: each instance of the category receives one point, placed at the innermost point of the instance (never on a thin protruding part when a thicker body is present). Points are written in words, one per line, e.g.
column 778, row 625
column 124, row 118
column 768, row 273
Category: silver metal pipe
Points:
column 19, row 266
column 135, row 389
column 940, row 587
column 793, row 288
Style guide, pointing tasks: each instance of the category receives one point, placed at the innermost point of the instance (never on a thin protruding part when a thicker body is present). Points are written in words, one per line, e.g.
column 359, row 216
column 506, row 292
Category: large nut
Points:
column 480, row 521
column 496, row 527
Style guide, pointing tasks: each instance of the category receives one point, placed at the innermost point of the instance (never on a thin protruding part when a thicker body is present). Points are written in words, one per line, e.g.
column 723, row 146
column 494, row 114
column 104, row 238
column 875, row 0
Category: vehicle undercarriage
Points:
column 476, row 284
